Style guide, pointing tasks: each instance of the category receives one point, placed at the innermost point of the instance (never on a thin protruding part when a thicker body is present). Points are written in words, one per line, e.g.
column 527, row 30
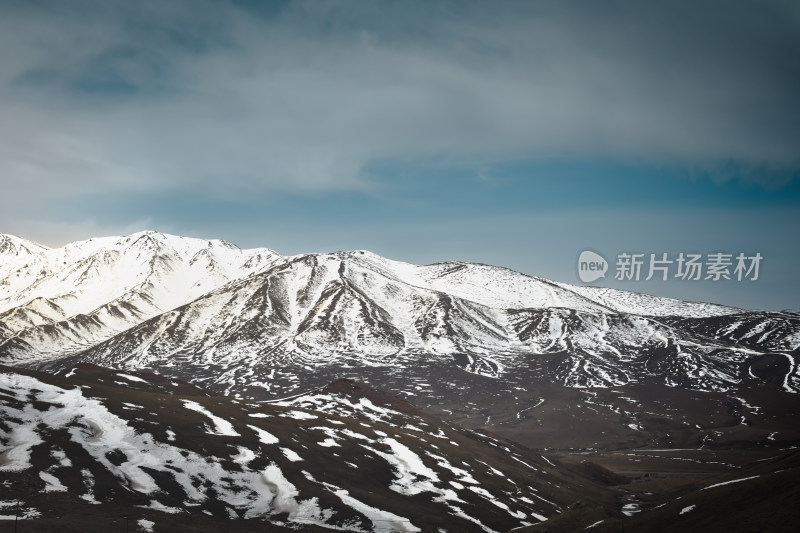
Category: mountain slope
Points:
column 57, row 301
column 254, row 324
column 92, row 442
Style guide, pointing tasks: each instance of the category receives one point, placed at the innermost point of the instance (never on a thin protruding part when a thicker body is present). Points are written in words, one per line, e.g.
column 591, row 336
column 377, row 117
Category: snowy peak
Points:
column 96, row 271
column 136, row 256
column 69, row 298
column 232, row 317
column 14, row 246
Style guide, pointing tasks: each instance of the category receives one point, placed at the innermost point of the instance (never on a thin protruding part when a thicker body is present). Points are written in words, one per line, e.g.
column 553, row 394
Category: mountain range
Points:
column 465, row 338
column 116, row 346
column 155, row 300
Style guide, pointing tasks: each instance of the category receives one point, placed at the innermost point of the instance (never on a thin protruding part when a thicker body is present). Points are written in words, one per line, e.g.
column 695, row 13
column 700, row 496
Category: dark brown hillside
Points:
column 101, row 444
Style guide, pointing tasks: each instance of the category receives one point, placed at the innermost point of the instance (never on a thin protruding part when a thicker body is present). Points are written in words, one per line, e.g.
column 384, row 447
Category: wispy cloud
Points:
column 214, row 96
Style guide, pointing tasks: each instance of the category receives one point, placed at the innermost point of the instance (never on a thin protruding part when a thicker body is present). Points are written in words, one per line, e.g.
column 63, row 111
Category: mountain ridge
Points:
column 255, row 324
column 107, row 291
column 569, row 373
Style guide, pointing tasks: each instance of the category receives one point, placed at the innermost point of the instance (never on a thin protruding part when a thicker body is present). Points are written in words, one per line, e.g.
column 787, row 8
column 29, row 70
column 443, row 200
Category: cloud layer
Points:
column 315, row 95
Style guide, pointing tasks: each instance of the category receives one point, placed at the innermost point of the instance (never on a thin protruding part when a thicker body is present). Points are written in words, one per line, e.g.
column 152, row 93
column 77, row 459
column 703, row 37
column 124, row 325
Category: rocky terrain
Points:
column 89, row 445
column 523, row 368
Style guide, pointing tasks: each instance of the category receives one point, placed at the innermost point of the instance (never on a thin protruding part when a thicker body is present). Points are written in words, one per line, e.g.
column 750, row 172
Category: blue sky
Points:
column 509, row 133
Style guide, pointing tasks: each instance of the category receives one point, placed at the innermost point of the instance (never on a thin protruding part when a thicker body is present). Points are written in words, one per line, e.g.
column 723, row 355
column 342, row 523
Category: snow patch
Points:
column 715, row 485
column 264, row 436
column 52, row 484
column 221, row 426
column 291, row 455
column 133, row 378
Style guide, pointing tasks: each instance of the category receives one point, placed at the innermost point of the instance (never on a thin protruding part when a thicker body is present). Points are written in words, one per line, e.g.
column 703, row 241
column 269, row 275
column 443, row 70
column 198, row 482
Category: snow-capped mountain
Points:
column 57, row 301
column 260, row 325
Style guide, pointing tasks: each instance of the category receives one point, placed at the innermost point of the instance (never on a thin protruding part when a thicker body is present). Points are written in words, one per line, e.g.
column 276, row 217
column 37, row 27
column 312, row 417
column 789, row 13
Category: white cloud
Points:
column 207, row 96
